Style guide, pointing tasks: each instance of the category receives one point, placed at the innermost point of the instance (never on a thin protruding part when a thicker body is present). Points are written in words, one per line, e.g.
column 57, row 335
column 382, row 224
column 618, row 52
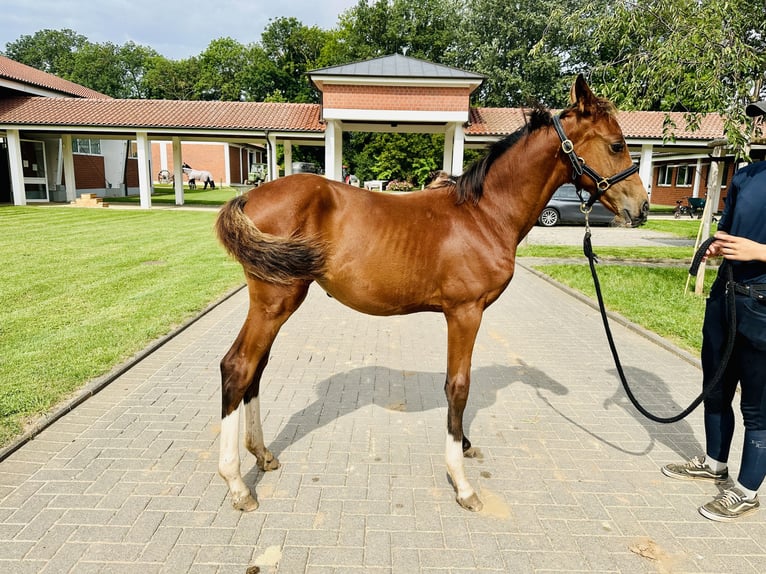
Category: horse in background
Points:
column 197, row 174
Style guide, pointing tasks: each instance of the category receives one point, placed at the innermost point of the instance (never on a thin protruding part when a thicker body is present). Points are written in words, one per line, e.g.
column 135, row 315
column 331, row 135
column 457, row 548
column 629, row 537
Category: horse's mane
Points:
column 470, row 185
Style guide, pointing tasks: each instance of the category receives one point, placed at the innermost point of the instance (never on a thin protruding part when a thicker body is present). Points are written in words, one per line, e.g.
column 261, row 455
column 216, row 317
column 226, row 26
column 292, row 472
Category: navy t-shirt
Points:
column 744, row 215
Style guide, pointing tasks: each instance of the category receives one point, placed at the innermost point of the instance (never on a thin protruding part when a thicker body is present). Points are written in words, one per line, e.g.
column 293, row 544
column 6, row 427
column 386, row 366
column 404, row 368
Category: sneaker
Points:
column 695, row 469
column 729, row 505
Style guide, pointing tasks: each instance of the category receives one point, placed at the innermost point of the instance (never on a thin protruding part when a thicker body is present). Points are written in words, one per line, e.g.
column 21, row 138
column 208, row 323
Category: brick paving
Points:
column 354, row 408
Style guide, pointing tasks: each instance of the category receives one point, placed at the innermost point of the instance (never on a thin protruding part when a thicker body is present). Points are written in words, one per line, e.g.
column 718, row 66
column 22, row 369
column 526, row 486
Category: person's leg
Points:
column 742, row 499
column 753, row 404
column 719, row 414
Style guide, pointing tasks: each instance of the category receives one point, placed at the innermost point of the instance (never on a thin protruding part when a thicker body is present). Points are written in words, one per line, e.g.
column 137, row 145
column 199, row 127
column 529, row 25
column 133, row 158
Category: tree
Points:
column 51, row 51
column 501, row 40
column 221, row 68
column 424, row 29
column 98, row 66
column 393, row 155
column 293, row 49
column 171, row 80
column 693, row 56
column 135, row 61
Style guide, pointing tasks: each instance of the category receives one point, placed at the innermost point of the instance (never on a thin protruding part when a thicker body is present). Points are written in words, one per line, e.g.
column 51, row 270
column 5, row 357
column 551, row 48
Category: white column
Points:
column 449, row 145
column 68, row 157
column 163, row 155
column 288, row 157
column 458, row 150
column 272, row 159
column 697, row 178
column 333, row 150
column 226, row 165
column 16, row 166
column 646, row 168
column 144, row 171
column 178, row 174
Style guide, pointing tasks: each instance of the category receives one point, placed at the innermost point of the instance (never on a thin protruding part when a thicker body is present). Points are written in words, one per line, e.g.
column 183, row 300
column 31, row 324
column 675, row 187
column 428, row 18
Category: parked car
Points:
column 564, row 208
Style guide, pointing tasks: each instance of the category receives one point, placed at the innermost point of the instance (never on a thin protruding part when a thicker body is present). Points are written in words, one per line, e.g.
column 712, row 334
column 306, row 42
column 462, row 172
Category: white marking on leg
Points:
column 228, row 459
column 454, row 459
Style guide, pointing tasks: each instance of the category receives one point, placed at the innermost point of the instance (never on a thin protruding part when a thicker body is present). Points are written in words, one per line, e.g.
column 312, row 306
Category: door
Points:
column 33, row 164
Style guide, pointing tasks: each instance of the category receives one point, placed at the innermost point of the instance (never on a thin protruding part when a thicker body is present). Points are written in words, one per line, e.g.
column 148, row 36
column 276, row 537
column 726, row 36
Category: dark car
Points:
column 564, row 208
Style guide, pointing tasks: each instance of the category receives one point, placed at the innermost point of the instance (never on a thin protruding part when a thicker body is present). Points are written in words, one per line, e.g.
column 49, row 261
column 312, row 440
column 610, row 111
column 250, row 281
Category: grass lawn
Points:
column 84, row 289
column 164, row 194
column 651, row 296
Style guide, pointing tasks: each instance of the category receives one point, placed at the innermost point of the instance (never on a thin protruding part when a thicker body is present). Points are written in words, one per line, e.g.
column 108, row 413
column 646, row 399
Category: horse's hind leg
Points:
column 241, row 370
column 462, row 326
column 253, row 430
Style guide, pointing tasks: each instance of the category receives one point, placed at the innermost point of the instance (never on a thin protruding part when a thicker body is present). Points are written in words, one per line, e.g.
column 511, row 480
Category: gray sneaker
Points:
column 695, row 469
column 729, row 505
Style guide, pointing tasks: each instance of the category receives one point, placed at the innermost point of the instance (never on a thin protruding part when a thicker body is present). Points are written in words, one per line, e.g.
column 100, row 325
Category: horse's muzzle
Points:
column 640, row 219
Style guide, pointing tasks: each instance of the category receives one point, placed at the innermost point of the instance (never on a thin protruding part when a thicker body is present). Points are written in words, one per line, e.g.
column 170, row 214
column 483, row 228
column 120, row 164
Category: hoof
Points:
column 245, row 503
column 471, row 503
column 268, row 462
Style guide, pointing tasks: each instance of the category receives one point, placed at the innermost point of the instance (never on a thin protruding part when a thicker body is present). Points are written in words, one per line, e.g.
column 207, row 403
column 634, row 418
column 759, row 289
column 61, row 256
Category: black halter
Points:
column 580, row 167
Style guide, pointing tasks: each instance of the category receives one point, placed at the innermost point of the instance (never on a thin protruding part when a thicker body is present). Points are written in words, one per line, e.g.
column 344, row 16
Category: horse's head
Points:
column 593, row 142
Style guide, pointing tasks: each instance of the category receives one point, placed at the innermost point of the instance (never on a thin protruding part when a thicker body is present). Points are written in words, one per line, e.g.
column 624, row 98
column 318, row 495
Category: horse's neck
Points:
column 522, row 181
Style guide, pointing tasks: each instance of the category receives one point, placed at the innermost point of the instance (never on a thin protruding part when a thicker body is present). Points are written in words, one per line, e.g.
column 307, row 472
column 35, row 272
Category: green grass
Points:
column 686, row 228
column 84, row 289
column 164, row 194
column 652, row 297
column 679, row 254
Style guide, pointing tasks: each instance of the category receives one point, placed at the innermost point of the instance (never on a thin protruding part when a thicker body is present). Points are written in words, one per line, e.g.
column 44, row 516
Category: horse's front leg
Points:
column 462, row 326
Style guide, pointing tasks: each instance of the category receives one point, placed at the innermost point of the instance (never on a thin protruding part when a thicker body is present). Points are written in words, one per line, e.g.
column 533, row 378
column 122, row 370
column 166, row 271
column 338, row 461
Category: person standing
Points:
column 741, row 241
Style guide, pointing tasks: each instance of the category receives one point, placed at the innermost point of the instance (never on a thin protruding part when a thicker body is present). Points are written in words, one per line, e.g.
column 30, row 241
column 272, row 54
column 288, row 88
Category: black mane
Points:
column 470, row 185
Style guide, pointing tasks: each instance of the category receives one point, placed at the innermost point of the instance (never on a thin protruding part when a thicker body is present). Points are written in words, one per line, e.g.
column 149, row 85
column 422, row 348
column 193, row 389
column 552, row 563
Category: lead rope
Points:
column 731, row 306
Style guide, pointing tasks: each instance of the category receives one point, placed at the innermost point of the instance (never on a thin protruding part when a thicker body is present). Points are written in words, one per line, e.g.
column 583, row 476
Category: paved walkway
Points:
column 354, row 408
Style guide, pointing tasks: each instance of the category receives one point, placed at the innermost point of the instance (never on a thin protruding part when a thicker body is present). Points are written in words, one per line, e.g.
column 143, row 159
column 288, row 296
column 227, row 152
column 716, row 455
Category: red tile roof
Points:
column 247, row 116
column 635, row 125
column 650, row 124
column 21, row 73
column 147, row 114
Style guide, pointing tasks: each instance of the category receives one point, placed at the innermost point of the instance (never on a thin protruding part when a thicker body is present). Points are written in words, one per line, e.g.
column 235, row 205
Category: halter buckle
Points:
column 603, row 185
column 567, row 146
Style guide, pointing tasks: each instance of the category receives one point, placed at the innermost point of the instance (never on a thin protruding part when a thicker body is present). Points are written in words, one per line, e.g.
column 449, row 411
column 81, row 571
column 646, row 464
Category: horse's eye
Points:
column 617, row 147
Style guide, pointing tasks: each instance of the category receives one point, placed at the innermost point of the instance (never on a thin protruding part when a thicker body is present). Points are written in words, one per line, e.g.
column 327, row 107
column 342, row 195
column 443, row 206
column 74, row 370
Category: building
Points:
column 92, row 142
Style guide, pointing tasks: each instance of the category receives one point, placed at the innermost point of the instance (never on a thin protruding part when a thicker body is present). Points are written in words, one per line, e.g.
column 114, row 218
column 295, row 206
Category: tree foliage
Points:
column 693, row 56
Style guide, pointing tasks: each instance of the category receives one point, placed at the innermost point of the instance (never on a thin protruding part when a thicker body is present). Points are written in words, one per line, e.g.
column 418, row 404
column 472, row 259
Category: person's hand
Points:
column 736, row 248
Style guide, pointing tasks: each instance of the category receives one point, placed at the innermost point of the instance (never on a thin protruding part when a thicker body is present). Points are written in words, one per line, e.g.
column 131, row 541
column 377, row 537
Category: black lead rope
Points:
column 731, row 306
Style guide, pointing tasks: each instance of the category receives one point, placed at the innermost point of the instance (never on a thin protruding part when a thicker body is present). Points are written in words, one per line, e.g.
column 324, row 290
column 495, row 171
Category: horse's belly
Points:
column 383, row 299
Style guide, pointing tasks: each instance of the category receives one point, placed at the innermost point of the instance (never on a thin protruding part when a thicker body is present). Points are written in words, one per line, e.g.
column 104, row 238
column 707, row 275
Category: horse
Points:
column 197, row 174
column 449, row 248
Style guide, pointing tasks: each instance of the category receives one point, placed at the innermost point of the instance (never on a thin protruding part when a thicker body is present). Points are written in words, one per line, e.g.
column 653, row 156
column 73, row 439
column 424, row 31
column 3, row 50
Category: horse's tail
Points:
column 267, row 257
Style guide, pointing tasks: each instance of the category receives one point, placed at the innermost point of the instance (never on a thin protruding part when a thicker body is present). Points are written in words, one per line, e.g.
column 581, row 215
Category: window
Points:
column 684, row 176
column 88, row 147
column 665, row 175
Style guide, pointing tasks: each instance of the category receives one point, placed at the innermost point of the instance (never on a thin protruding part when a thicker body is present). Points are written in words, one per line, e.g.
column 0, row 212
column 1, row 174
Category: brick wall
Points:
column 416, row 98
column 669, row 194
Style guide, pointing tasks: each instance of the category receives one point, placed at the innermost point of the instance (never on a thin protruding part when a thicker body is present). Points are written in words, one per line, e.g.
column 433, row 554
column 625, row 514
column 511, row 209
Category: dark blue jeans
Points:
column 747, row 367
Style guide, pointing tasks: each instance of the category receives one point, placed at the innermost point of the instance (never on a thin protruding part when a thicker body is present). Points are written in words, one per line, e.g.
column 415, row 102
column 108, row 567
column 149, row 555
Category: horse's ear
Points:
column 581, row 94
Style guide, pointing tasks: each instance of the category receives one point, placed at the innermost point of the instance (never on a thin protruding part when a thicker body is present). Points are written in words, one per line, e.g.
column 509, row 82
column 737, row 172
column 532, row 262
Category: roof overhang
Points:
column 320, row 81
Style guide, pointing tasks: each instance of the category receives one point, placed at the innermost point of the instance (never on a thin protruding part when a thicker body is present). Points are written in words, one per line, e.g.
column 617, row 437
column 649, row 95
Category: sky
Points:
column 176, row 29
